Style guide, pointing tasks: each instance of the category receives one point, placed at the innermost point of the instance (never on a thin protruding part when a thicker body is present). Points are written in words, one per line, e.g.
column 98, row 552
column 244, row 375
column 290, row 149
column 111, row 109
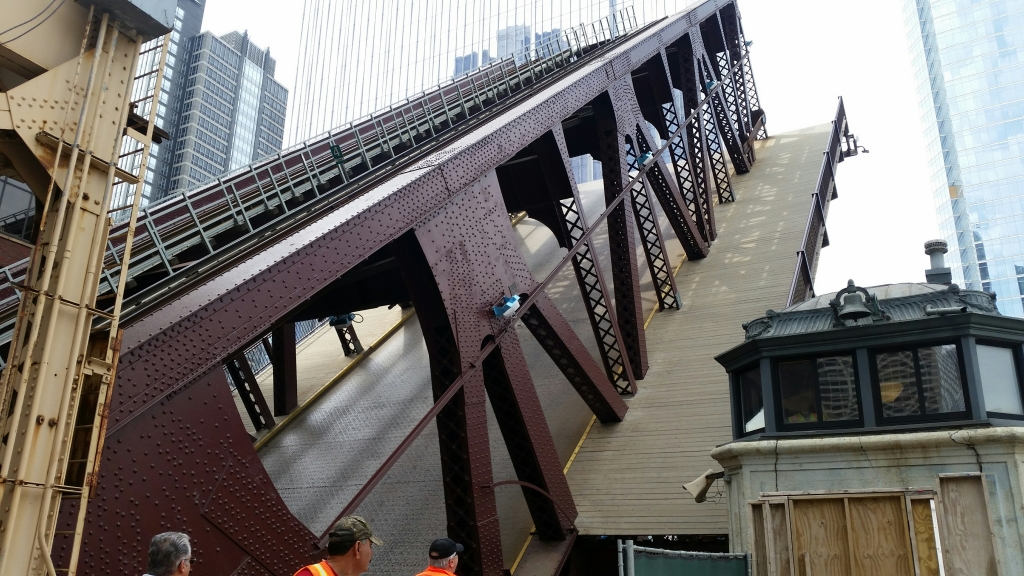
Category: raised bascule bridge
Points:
column 519, row 333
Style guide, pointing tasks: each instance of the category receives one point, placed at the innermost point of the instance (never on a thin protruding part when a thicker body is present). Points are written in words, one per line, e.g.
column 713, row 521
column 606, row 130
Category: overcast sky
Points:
column 806, row 53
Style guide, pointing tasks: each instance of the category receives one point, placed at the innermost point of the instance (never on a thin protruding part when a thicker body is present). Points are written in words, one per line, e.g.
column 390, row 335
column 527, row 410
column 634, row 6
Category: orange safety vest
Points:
column 318, row 569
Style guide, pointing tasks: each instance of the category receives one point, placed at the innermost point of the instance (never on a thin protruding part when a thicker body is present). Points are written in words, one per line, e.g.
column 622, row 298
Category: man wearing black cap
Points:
column 444, row 558
column 349, row 550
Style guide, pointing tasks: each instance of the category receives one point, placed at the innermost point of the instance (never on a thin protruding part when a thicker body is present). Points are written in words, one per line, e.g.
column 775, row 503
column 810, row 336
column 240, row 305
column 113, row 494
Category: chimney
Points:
column 938, row 273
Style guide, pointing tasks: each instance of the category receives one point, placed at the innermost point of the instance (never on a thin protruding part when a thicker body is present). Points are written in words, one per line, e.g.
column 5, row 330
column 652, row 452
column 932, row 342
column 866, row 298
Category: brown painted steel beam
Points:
column 557, row 167
column 249, row 392
column 650, row 232
column 681, row 62
column 681, row 153
column 728, row 59
column 286, row 383
column 733, row 22
column 519, row 414
column 631, row 125
column 461, row 423
column 621, row 237
column 555, row 335
column 715, row 146
column 715, row 67
column 655, row 104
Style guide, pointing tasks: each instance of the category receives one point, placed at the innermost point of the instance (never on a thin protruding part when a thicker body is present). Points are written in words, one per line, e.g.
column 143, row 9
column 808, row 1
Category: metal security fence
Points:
column 640, row 561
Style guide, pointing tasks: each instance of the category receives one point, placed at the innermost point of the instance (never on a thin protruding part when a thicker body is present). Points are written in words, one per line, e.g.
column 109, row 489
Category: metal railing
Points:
column 257, row 353
column 19, row 224
column 213, row 218
column 815, row 236
column 259, row 358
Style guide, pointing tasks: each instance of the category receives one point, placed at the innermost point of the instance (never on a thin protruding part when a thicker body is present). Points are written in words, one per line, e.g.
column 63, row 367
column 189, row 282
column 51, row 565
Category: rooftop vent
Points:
column 938, row 273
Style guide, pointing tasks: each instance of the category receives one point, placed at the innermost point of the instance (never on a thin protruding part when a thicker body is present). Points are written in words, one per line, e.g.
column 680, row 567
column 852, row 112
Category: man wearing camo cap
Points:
column 349, row 550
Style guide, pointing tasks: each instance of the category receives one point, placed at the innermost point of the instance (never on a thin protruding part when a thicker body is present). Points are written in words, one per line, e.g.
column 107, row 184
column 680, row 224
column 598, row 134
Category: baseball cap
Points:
column 444, row 548
column 350, row 530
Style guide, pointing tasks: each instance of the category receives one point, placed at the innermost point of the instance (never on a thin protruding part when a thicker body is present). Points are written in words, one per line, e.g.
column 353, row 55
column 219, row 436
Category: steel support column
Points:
column 555, row 335
column 732, row 22
column 650, row 234
column 629, row 121
column 621, row 237
column 653, row 90
column 350, row 343
column 586, row 266
column 715, row 70
column 709, row 126
column 685, row 173
column 729, row 62
column 519, row 414
column 249, row 392
column 461, row 424
column 286, row 383
column 685, row 79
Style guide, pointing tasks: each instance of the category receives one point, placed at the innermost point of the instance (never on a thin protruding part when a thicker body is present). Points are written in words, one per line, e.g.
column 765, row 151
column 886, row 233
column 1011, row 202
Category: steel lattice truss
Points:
column 431, row 231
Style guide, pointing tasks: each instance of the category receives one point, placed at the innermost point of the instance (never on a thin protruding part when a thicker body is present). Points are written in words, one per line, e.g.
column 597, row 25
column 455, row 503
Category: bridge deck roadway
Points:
column 627, row 477
column 320, row 460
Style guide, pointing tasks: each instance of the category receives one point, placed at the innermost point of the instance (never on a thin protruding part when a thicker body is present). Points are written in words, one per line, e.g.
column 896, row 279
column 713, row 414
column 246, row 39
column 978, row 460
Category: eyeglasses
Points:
column 190, row 561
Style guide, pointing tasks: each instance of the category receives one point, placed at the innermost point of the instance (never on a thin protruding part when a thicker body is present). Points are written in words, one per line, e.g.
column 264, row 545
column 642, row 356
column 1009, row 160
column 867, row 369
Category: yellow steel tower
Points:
column 67, row 71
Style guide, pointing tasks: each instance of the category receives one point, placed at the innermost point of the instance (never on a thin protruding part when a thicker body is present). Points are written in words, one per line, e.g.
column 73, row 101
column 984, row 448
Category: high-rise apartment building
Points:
column 232, row 113
column 969, row 71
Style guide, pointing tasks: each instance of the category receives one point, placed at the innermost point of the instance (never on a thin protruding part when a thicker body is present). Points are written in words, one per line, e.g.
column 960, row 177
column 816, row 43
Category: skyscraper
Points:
column 232, row 113
column 514, row 41
column 970, row 78
column 469, row 62
column 360, row 56
column 188, row 19
column 548, row 43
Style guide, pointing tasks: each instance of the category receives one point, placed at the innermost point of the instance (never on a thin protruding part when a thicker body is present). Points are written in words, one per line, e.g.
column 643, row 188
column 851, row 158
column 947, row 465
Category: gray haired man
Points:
column 444, row 558
column 170, row 554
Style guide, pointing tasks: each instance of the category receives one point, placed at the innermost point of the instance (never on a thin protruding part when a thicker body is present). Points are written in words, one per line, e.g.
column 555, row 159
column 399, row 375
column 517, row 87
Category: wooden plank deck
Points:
column 627, row 478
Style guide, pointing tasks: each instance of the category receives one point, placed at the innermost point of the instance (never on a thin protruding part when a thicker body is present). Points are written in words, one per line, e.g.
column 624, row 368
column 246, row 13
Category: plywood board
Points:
column 758, row 540
column 880, row 537
column 966, row 533
column 782, row 553
column 820, row 538
column 924, row 533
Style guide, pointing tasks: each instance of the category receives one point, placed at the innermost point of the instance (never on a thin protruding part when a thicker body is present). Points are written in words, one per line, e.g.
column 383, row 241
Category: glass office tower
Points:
column 966, row 56
column 233, row 110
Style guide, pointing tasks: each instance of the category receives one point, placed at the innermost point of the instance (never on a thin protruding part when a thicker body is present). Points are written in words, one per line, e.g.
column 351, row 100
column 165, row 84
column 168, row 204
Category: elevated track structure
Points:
column 410, row 207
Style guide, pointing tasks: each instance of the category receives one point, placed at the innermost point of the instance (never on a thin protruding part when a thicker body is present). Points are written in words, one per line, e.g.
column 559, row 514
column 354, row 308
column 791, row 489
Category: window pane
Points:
column 940, row 378
column 751, row 402
column 999, row 380
column 799, row 394
column 838, row 388
column 897, row 383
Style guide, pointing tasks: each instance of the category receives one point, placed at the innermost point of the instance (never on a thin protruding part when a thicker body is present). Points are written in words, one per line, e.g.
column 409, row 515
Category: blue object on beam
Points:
column 507, row 308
